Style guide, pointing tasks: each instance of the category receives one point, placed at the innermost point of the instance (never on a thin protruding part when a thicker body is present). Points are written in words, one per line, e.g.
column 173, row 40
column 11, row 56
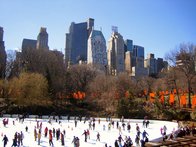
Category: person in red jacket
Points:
column 62, row 139
column 46, row 132
column 50, row 138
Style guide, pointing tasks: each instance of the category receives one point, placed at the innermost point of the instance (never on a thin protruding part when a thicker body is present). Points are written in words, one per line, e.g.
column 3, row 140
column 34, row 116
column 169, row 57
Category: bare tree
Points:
column 78, row 77
column 125, row 83
column 102, row 92
column 173, row 80
column 183, row 59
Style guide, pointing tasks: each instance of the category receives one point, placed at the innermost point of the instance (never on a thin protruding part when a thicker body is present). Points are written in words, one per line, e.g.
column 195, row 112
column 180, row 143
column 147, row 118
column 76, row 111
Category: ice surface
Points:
column 105, row 136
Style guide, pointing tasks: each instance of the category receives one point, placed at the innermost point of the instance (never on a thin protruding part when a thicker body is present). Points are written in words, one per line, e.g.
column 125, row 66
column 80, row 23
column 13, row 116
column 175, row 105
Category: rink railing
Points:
column 83, row 118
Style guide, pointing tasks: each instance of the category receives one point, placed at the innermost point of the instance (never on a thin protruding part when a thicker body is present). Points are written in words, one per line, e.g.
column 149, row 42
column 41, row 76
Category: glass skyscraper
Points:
column 129, row 45
column 76, row 41
column 138, row 51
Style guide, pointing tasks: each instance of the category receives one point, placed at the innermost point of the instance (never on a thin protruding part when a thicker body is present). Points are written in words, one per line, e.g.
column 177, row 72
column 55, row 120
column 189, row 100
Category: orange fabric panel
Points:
column 171, row 98
column 183, row 100
column 80, row 95
column 152, row 97
column 175, row 91
column 162, row 99
column 194, row 101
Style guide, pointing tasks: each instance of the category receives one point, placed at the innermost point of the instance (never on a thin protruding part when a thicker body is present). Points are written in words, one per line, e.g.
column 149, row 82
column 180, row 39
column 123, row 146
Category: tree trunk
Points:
column 189, row 92
column 177, row 93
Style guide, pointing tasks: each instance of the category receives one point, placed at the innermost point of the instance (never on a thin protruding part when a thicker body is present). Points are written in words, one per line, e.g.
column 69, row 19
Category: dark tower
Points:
column 3, row 55
column 42, row 39
column 76, row 42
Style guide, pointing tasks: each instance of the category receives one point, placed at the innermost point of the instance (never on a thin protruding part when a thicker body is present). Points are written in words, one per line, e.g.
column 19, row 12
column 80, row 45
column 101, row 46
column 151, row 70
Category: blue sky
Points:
column 158, row 25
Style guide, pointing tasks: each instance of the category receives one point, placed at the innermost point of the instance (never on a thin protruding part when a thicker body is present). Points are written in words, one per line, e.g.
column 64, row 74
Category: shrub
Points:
column 193, row 115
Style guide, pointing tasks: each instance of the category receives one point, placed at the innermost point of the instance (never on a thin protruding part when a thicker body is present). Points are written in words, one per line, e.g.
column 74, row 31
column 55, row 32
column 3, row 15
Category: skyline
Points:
column 158, row 26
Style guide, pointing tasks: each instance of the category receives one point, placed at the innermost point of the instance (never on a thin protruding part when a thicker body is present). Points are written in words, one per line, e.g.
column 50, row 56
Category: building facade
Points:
column 138, row 51
column 115, row 54
column 129, row 45
column 128, row 63
column 139, row 71
column 29, row 44
column 3, row 56
column 97, row 49
column 76, row 42
column 42, row 39
column 160, row 64
column 40, row 43
column 151, row 65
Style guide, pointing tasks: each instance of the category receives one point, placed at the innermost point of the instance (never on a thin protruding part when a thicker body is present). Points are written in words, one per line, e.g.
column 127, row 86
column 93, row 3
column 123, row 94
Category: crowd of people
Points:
column 43, row 131
column 180, row 132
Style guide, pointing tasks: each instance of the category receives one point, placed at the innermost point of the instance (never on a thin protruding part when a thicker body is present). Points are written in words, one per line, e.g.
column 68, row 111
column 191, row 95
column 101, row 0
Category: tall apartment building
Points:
column 3, row 55
column 115, row 54
column 42, row 39
column 97, row 49
column 151, row 64
column 160, row 64
column 137, row 60
column 76, row 41
column 138, row 56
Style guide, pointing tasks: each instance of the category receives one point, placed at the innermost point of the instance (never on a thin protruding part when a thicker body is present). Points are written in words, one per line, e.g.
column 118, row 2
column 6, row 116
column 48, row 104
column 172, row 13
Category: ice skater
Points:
column 39, row 136
column 62, row 139
column 120, row 139
column 98, row 137
column 21, row 137
column 147, row 123
column 116, row 143
column 75, row 121
column 14, row 144
column 85, row 135
column 5, row 140
column 137, row 141
column 35, row 134
column 128, row 127
column 46, row 131
column 50, row 138
column 144, row 134
column 26, row 128
column 164, row 130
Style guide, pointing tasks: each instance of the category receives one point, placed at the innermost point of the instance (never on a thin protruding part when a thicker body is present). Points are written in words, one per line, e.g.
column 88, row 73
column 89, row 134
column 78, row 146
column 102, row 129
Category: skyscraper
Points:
column 3, row 55
column 151, row 64
column 129, row 45
column 76, row 41
column 160, row 64
column 115, row 54
column 97, row 49
column 40, row 43
column 29, row 44
column 42, row 39
column 1, row 34
column 138, row 51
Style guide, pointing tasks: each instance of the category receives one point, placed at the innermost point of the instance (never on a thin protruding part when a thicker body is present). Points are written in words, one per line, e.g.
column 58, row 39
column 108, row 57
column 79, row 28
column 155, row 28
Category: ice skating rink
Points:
column 106, row 136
